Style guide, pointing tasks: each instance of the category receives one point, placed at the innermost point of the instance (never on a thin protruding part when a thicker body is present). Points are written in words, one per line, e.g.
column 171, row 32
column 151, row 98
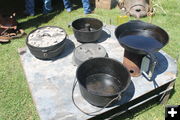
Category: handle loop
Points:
column 152, row 66
column 92, row 113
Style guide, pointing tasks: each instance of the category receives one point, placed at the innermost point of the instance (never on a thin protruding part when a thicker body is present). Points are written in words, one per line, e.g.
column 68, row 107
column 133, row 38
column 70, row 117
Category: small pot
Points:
column 48, row 52
column 87, row 30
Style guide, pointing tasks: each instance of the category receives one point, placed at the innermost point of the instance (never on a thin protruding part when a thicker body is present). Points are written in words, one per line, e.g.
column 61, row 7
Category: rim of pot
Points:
column 88, row 18
column 128, row 79
column 47, row 46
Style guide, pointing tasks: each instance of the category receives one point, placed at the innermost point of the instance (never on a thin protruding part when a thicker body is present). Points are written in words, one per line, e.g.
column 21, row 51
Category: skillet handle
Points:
column 152, row 66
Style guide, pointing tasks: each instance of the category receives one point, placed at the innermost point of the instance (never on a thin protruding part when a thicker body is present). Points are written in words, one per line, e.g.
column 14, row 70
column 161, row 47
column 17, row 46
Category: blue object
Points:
column 29, row 7
column 86, row 6
column 47, row 6
column 67, row 5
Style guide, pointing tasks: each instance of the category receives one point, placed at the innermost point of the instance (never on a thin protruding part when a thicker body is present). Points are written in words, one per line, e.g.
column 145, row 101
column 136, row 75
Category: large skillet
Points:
column 142, row 38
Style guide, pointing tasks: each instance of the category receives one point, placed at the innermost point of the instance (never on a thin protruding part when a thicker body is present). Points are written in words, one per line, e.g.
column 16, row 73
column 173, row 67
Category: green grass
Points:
column 15, row 98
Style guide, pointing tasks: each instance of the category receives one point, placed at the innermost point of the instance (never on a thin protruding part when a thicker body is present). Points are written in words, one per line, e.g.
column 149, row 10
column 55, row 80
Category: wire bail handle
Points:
column 91, row 113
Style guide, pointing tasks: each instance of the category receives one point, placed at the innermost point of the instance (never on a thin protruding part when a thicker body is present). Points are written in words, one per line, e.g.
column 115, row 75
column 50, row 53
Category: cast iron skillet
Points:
column 142, row 38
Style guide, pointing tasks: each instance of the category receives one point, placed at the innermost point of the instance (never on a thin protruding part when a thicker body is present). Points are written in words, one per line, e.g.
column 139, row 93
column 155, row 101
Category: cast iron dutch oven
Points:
column 102, row 80
column 87, row 30
column 49, row 52
column 142, row 38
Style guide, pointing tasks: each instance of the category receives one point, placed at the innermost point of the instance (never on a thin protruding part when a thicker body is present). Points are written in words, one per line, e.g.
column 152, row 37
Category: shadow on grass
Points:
column 172, row 93
column 5, row 43
column 37, row 21
column 19, row 6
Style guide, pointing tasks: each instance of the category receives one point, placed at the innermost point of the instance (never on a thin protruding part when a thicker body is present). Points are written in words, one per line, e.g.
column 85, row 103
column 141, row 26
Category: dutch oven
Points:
column 46, row 42
column 102, row 81
column 142, row 38
column 87, row 30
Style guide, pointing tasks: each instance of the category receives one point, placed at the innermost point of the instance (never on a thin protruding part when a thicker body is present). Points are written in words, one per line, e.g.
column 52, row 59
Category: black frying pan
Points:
column 142, row 38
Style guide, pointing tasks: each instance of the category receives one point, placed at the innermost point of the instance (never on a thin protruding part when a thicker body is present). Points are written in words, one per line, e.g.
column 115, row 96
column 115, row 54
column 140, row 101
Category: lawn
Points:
column 15, row 98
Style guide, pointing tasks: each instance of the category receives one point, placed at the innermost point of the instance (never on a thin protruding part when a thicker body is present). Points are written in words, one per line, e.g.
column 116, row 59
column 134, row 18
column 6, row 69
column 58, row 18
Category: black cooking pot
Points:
column 142, row 38
column 102, row 80
column 87, row 30
column 49, row 52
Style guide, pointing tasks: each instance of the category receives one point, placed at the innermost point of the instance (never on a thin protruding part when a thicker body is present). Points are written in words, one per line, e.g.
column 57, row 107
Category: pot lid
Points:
column 88, row 51
column 46, row 36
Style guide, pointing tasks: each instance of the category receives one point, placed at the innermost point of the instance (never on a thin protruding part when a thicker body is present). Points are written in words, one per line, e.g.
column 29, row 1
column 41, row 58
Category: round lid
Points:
column 88, row 51
column 46, row 36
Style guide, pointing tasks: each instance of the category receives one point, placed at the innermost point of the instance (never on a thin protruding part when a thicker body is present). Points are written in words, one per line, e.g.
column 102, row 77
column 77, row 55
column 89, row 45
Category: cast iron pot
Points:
column 102, row 80
column 87, row 30
column 49, row 52
column 142, row 38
